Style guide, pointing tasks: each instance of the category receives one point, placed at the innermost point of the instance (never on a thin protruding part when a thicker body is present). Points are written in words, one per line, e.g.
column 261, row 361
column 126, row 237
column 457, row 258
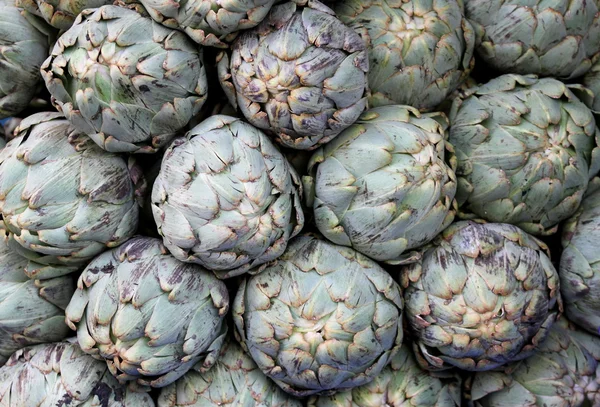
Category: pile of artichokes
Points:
column 299, row 203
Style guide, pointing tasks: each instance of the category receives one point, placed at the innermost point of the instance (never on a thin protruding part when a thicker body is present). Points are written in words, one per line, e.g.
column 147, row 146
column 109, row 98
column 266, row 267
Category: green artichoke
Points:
column 149, row 315
column 419, row 50
column 301, row 75
column 544, row 37
column 126, row 81
column 382, row 186
column 31, row 311
column 209, row 22
column 61, row 375
column 234, row 381
column 563, row 373
column 579, row 268
column 24, row 43
column 591, row 80
column 63, row 199
column 525, row 149
column 59, row 14
column 226, row 198
column 322, row 318
column 481, row 296
column 402, row 384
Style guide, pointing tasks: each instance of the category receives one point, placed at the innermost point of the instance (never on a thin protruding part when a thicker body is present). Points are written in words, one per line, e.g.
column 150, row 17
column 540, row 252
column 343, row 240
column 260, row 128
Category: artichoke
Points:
column 481, row 296
column 419, row 50
column 226, row 198
column 233, row 381
column 564, row 372
column 579, row 268
column 59, row 14
column 31, row 311
column 24, row 43
column 382, row 186
column 525, row 149
column 301, row 75
column 63, row 199
column 126, row 81
column 60, row 374
column 543, row 37
column 209, row 22
column 402, row 384
column 149, row 315
column 322, row 318
column 591, row 80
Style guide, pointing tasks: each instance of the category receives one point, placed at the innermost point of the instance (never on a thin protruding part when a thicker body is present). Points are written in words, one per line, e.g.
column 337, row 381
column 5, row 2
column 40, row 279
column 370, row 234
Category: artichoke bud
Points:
column 320, row 319
column 525, row 149
column 558, row 39
column 300, row 75
column 481, row 296
column 63, row 199
column 149, row 315
column 25, row 40
column 564, row 371
column 76, row 379
column 226, row 198
column 159, row 87
column 235, row 380
column 383, row 186
column 419, row 51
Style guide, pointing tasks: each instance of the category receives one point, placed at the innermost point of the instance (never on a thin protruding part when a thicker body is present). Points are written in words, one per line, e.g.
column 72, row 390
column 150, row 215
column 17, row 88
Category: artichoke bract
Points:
column 233, row 381
column 63, row 199
column 525, row 149
column 149, row 315
column 564, row 372
column 548, row 38
column 301, row 75
column 59, row 14
column 209, row 22
column 31, row 311
column 226, row 198
column 402, row 383
column 322, row 318
column 125, row 80
column 419, row 50
column 24, row 41
column 483, row 295
column 382, row 186
column 579, row 268
column 60, row 374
